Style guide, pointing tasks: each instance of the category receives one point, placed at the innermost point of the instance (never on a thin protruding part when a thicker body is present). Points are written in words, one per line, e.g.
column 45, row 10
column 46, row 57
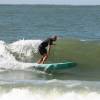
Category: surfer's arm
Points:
column 49, row 48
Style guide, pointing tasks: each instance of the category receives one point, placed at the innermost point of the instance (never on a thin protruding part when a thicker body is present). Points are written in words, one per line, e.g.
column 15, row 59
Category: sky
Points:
column 71, row 2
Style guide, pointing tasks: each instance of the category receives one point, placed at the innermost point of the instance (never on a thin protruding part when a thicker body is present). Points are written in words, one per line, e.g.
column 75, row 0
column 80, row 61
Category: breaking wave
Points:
column 13, row 56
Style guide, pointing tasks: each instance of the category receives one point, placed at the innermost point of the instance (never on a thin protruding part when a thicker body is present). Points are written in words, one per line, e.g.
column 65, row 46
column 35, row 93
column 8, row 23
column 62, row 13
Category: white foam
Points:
column 7, row 57
column 25, row 46
column 26, row 94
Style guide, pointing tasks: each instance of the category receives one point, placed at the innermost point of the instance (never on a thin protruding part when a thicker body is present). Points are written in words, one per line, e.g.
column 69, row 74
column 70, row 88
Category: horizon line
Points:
column 50, row 4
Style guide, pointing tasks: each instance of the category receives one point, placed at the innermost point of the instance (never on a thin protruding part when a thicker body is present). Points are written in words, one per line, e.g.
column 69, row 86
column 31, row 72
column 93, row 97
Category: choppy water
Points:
column 22, row 29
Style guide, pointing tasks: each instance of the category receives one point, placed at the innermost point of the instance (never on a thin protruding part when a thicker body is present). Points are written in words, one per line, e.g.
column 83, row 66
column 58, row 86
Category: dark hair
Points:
column 54, row 37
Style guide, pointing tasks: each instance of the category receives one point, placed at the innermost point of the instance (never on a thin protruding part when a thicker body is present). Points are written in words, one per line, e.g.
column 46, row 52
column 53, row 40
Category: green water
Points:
column 85, row 53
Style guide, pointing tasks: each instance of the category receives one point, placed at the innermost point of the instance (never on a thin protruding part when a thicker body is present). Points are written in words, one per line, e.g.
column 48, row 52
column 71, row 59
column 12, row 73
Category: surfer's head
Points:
column 54, row 38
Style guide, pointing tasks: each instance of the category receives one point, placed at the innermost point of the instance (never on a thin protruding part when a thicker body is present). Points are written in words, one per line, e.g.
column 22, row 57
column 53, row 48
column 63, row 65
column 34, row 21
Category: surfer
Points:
column 42, row 48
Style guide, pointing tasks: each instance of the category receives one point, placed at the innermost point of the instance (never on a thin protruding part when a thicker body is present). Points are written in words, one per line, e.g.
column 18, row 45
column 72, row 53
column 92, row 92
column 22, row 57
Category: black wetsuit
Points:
column 42, row 47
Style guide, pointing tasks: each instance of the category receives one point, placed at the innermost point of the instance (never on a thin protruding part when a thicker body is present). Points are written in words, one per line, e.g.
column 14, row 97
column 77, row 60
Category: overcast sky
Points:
column 73, row 2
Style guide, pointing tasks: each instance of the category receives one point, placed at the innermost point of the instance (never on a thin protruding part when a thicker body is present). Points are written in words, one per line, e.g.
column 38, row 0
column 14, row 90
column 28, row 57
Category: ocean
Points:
column 24, row 27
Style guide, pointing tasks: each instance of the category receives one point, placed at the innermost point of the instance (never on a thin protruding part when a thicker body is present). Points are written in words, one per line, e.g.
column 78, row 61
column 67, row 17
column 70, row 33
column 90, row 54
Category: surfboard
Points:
column 54, row 67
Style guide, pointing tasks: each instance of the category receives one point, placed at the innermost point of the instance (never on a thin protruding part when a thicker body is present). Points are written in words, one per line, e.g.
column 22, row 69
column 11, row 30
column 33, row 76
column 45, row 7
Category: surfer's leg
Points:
column 43, row 52
column 44, row 58
column 40, row 60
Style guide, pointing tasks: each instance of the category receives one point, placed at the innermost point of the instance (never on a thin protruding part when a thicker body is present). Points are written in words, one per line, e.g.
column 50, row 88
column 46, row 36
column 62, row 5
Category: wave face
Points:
column 24, row 53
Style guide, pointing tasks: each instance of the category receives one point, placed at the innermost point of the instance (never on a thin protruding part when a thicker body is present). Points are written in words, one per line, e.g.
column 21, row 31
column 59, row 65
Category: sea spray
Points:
column 25, row 50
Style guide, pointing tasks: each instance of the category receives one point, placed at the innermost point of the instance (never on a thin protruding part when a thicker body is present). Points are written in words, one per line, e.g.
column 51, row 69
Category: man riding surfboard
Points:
column 42, row 48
